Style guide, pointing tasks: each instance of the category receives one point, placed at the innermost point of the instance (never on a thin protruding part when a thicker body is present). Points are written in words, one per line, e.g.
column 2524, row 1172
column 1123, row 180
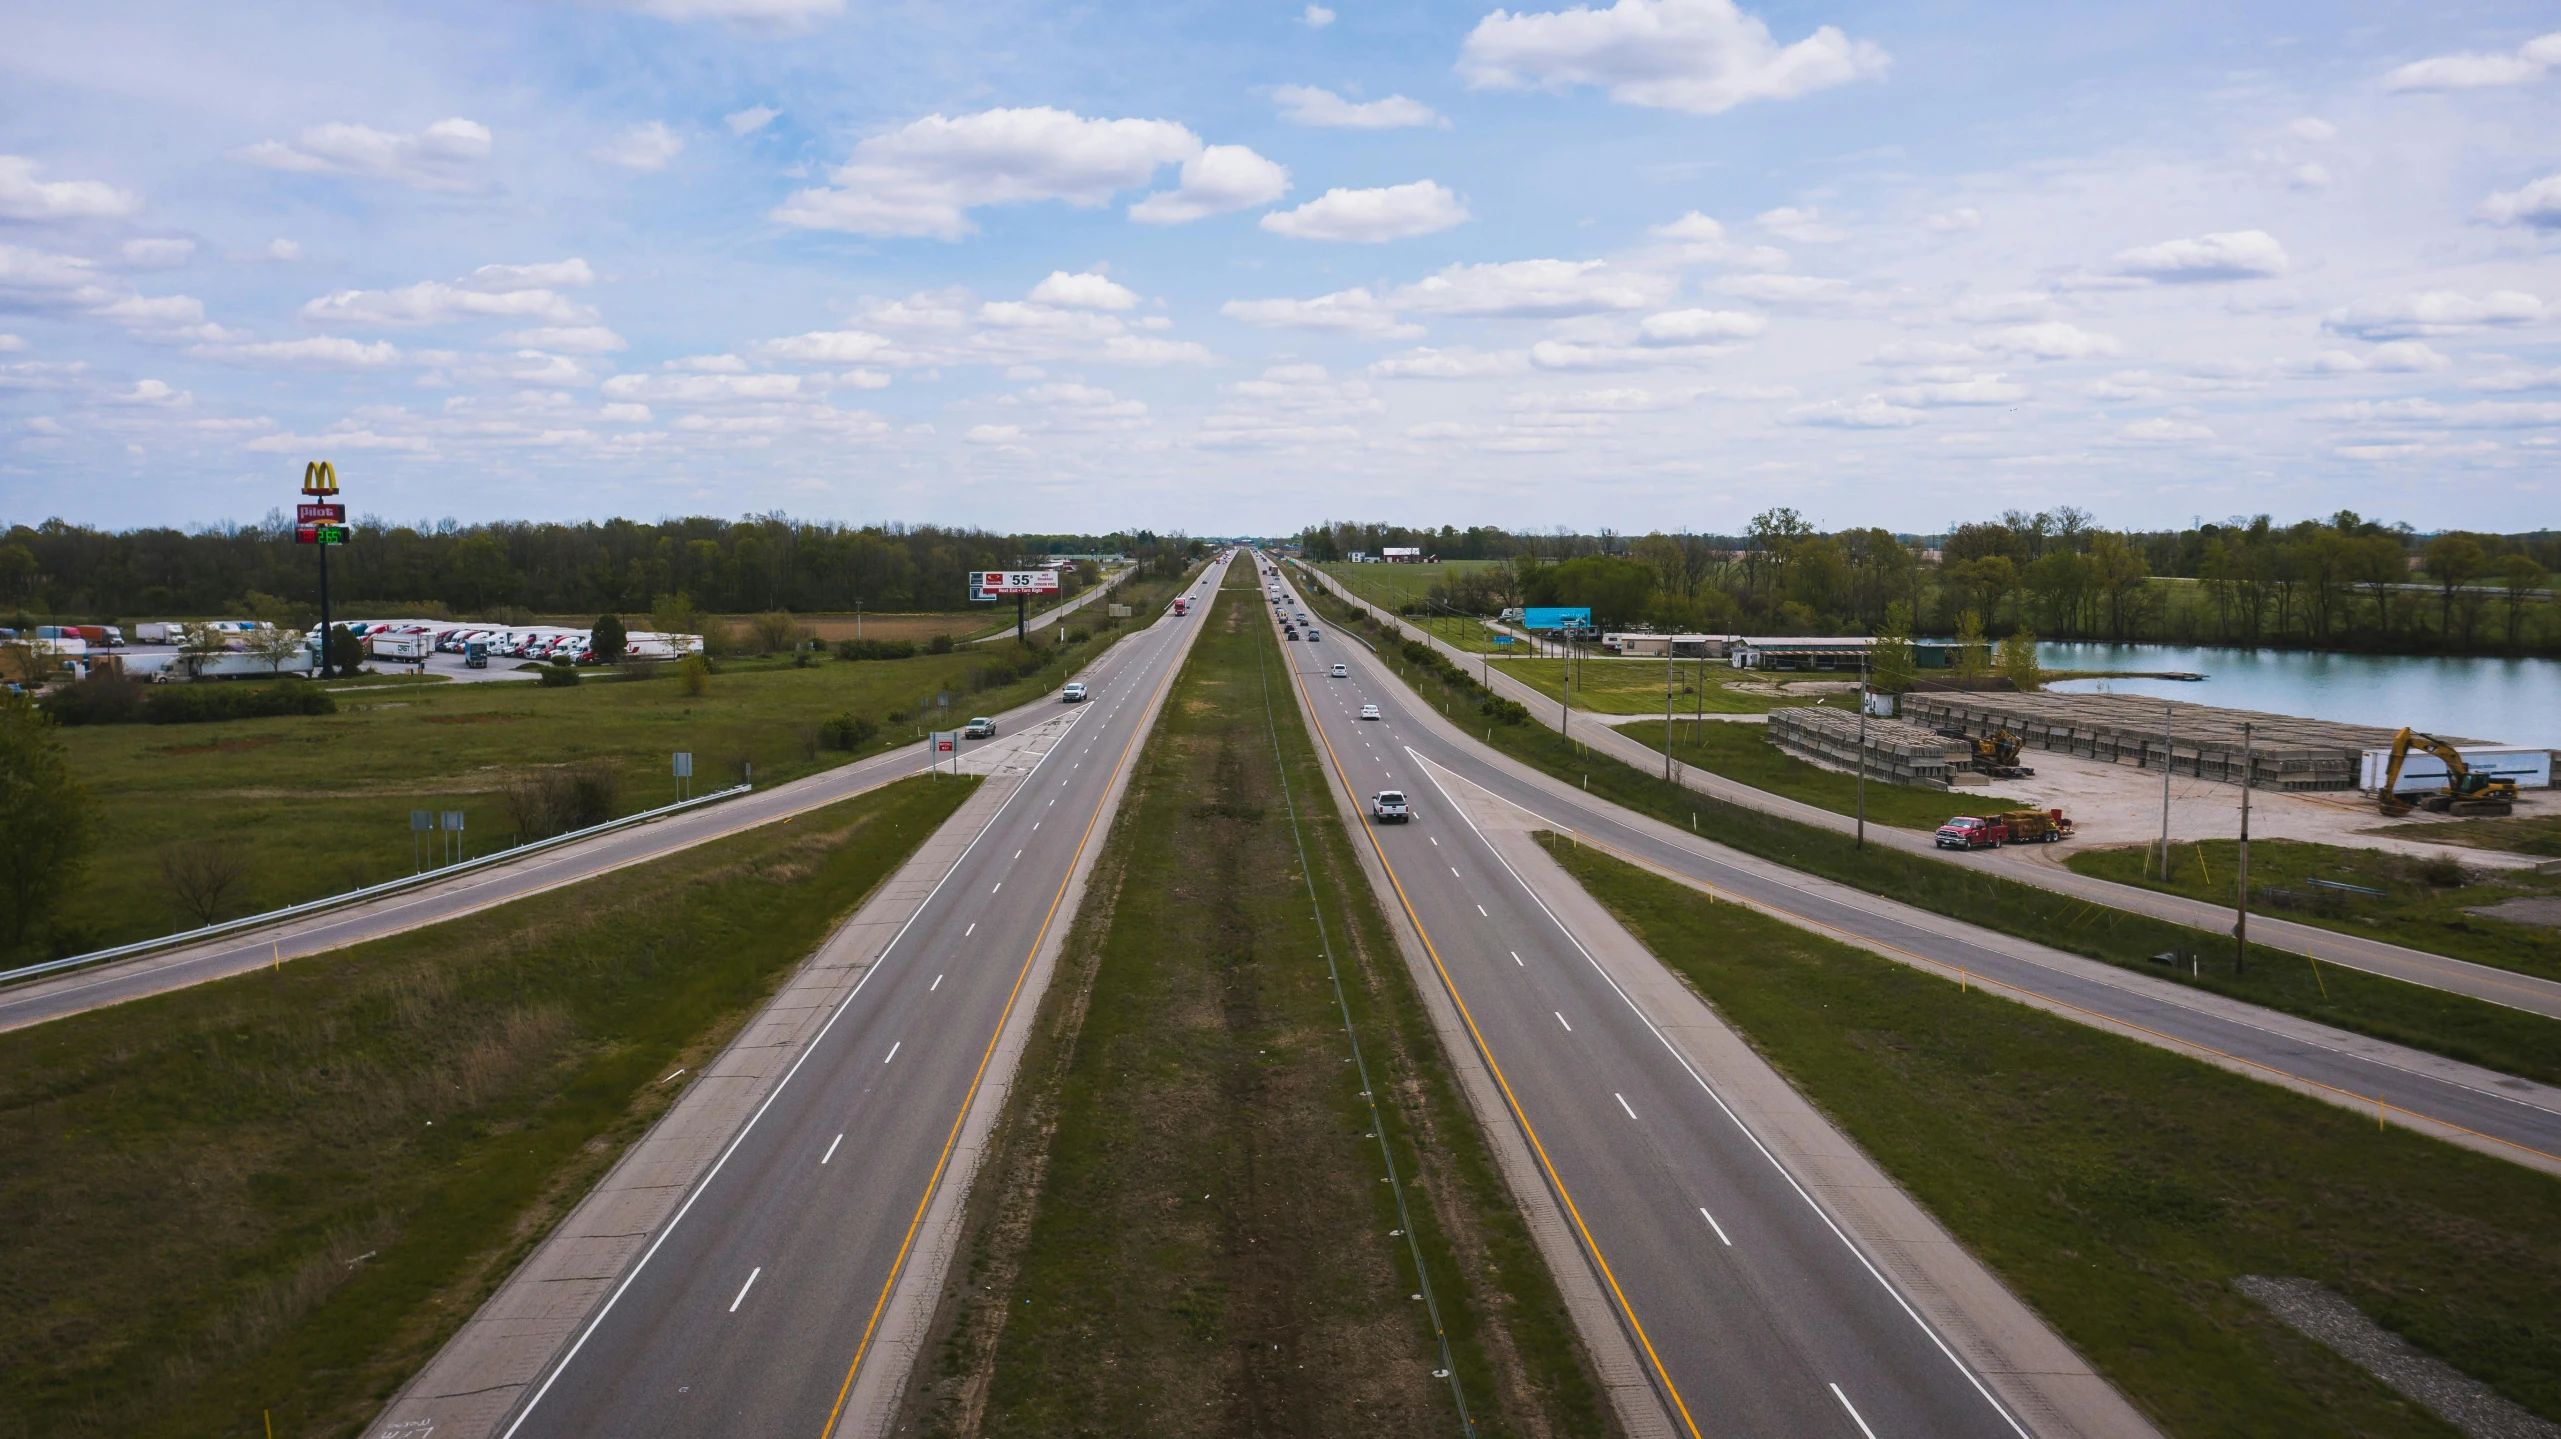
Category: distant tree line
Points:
column 759, row 563
column 2344, row 582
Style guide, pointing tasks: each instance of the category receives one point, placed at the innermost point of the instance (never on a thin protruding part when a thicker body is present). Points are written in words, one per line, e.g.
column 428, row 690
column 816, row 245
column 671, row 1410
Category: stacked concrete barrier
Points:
column 2287, row 752
column 1897, row 753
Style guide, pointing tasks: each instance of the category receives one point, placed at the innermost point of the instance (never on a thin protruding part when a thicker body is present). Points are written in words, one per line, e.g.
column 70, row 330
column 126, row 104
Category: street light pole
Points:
column 2166, row 713
column 1862, row 781
column 2241, row 897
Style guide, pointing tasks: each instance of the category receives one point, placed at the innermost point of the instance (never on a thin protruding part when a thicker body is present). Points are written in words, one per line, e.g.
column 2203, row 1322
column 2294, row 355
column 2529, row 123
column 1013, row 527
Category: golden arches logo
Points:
column 319, row 479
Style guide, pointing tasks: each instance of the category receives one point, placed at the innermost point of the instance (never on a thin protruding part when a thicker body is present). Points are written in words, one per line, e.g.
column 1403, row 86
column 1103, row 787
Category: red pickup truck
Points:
column 1967, row 832
column 2018, row 826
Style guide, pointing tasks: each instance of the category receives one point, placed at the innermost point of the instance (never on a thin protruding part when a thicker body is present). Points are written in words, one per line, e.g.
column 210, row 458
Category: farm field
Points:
column 309, row 806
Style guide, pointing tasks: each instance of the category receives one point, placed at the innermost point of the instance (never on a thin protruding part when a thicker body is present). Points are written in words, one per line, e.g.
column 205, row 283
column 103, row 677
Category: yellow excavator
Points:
column 2465, row 792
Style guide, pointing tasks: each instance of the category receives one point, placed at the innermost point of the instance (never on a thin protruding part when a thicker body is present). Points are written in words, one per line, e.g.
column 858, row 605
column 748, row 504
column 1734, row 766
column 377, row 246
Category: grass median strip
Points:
column 2121, row 1189
column 2474, row 1031
column 1183, row 1227
column 283, row 1191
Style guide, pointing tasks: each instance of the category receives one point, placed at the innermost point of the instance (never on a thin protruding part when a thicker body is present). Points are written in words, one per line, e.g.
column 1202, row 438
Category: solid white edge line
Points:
column 1712, row 1224
column 751, row 1283
column 1683, row 1061
column 704, row 1184
column 1854, row 1413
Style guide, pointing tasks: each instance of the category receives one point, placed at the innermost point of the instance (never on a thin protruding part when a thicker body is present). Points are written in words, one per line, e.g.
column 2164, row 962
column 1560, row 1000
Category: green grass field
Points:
column 1635, row 687
column 316, row 805
column 2518, row 834
column 1187, row 1233
column 2494, row 1036
column 284, row 1190
column 1393, row 585
column 2415, row 910
column 2120, row 1189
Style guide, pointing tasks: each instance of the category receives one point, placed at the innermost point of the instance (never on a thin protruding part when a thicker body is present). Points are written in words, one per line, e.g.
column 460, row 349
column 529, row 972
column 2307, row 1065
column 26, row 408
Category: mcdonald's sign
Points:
column 319, row 479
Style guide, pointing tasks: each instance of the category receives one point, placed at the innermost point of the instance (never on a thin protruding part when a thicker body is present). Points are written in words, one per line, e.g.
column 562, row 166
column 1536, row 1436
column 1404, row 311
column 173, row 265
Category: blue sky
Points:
column 1232, row 267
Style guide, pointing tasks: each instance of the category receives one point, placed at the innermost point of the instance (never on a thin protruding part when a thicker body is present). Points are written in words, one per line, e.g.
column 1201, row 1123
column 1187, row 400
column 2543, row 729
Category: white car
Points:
column 1369, row 711
column 1074, row 693
column 1338, row 672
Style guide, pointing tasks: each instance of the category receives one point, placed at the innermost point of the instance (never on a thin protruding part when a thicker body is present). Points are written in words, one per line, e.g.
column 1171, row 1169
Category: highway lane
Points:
column 2040, row 868
column 2495, row 1113
column 752, row 1308
column 1756, row 1315
column 117, row 982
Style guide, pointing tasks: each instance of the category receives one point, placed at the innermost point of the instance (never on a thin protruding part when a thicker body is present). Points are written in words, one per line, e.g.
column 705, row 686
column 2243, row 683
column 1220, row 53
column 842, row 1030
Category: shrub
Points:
column 875, row 649
column 206, row 703
column 693, row 675
column 102, row 698
column 1077, row 636
column 558, row 677
column 847, row 731
column 941, row 645
column 556, row 800
column 1502, row 711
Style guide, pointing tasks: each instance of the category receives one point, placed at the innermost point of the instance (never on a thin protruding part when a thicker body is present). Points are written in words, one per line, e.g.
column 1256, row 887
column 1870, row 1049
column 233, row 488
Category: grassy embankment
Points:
column 1182, row 1228
column 2517, row 834
column 2424, row 906
column 320, row 804
column 283, row 1191
column 1635, row 687
column 1744, row 754
column 2120, row 1189
column 2491, row 1035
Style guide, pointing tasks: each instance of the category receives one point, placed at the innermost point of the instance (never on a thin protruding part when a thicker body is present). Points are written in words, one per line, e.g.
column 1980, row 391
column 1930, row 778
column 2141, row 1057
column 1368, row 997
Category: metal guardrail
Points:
column 357, row 896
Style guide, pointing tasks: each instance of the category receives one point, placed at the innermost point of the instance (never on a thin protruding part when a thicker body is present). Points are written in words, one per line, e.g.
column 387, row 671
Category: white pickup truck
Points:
column 1388, row 807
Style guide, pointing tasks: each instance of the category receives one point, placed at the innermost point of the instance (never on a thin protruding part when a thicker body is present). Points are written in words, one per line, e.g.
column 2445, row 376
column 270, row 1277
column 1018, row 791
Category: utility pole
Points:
column 327, row 671
column 1667, row 709
column 2166, row 713
column 1862, row 782
column 2241, row 895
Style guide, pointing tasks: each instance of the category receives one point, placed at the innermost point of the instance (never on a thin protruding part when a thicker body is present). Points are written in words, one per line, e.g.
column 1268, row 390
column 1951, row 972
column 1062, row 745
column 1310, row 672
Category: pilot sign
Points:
column 1014, row 582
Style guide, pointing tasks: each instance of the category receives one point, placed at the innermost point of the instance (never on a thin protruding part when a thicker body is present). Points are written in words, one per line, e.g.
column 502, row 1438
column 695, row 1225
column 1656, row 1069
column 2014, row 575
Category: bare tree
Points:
column 201, row 877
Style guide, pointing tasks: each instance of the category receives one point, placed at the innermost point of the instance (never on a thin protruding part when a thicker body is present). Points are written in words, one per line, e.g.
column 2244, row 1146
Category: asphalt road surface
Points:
column 2493, row 1112
column 750, row 1310
column 1757, row 1316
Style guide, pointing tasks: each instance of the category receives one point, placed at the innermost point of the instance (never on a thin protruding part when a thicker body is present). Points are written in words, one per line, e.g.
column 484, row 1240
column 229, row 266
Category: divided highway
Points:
column 2498, row 1114
column 751, row 1309
column 1755, row 1314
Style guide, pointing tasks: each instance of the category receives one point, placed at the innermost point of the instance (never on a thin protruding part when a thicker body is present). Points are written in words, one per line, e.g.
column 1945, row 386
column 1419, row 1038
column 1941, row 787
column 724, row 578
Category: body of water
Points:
column 2496, row 700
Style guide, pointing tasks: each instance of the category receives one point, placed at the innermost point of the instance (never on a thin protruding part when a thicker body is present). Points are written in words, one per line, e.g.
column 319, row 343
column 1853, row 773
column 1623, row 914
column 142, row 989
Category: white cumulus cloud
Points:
column 2235, row 255
column 1700, row 327
column 746, row 14
column 647, row 146
column 433, row 302
column 2052, row 340
column 158, row 254
column 1871, row 413
column 2433, row 312
column 1219, row 179
column 1355, row 313
column 572, row 339
column 923, row 178
column 1372, row 216
column 2537, row 204
column 1702, row 56
column 2162, row 429
column 1089, row 291
column 1949, row 222
column 24, row 197
column 320, row 352
column 1804, row 225
column 1316, row 17
column 446, row 155
column 750, row 120
column 1545, row 288
column 2471, row 70
column 1308, row 105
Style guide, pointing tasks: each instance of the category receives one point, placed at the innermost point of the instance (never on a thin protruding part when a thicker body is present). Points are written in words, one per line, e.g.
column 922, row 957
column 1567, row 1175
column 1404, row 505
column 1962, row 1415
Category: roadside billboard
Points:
column 1014, row 582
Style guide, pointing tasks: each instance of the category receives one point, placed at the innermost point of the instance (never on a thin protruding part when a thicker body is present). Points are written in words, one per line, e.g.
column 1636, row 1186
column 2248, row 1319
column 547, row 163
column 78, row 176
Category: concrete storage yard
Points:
column 1897, row 752
column 2286, row 753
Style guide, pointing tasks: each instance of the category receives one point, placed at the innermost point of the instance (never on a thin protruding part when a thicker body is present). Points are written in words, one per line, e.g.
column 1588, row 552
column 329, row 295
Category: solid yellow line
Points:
column 1860, row 941
column 1482, row 1048
column 941, row 1161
